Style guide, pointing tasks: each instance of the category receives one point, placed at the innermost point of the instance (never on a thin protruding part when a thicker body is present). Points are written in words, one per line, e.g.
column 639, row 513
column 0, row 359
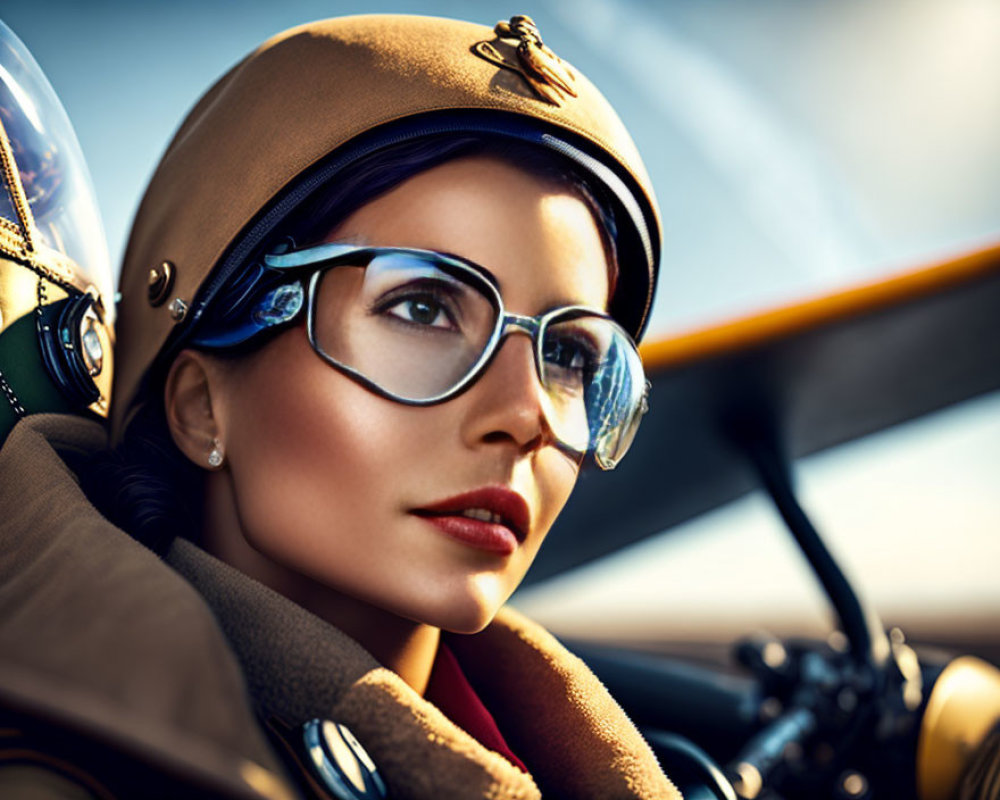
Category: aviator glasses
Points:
column 419, row 327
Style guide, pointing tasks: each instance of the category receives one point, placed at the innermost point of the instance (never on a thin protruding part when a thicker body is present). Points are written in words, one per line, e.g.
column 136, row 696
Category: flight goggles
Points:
column 420, row 327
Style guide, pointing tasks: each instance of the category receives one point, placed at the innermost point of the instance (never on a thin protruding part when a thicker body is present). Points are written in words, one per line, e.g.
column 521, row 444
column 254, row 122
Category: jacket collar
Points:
column 556, row 715
column 101, row 642
column 298, row 667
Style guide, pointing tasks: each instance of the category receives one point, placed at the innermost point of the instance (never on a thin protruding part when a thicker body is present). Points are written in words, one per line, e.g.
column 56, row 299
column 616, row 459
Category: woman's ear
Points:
column 191, row 398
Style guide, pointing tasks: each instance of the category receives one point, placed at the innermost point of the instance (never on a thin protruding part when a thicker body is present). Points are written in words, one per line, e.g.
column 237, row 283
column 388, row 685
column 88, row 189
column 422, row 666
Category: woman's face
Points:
column 370, row 497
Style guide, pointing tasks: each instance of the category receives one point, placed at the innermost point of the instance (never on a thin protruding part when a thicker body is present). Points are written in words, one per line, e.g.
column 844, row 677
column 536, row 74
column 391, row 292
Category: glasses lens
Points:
column 594, row 384
column 412, row 324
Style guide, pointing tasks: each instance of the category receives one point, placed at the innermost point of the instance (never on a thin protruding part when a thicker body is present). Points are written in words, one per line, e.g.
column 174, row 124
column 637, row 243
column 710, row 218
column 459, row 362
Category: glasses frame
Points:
column 322, row 258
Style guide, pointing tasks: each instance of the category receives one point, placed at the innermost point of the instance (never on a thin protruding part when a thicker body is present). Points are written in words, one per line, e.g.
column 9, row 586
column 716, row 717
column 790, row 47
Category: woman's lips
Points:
column 493, row 518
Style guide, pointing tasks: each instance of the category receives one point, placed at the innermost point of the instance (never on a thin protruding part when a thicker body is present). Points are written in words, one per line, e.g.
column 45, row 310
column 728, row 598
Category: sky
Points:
column 795, row 148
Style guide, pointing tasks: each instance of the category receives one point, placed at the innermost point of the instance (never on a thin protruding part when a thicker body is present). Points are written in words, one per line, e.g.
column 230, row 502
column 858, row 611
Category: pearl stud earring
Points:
column 216, row 456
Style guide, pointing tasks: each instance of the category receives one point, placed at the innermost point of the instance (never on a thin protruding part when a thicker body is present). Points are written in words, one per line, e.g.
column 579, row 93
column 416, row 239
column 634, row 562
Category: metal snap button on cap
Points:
column 178, row 309
column 341, row 763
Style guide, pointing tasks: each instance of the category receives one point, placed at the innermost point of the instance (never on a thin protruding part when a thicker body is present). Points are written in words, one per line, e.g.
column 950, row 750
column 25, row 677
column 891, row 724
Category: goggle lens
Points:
column 403, row 322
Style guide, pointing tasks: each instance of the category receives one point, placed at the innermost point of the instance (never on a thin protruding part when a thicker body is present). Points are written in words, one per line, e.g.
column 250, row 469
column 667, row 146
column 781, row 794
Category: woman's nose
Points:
column 508, row 399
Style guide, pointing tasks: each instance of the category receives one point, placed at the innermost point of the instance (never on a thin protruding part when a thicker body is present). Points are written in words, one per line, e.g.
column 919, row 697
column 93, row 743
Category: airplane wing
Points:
column 815, row 374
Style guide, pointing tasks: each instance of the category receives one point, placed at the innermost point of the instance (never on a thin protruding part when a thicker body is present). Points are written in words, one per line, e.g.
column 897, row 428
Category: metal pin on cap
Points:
column 161, row 281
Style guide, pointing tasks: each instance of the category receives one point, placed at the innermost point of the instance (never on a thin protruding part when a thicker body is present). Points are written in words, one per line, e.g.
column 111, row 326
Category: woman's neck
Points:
column 406, row 647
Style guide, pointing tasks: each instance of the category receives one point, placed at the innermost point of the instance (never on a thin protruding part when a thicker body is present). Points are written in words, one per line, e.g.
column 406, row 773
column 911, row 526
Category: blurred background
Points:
column 797, row 148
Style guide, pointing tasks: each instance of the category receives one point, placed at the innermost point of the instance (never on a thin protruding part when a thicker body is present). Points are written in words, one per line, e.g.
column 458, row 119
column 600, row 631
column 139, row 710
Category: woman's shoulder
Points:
column 104, row 649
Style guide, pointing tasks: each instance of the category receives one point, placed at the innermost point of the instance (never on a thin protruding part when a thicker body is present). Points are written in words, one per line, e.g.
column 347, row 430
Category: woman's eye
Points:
column 570, row 355
column 424, row 311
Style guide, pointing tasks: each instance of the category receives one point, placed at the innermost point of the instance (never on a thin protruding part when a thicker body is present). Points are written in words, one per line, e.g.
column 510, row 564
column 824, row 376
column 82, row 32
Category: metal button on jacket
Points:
column 341, row 763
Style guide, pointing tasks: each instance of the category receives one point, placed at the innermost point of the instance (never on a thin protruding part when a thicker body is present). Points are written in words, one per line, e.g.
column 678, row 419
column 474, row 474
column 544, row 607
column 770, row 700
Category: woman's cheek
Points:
column 554, row 475
column 294, row 451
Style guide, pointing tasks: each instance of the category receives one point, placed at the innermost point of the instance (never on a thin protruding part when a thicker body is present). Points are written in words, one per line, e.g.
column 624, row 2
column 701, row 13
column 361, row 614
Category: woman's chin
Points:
column 469, row 625
column 463, row 614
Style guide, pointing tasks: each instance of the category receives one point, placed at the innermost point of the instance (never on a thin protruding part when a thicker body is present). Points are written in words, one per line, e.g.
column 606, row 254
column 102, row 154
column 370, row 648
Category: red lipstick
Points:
column 493, row 518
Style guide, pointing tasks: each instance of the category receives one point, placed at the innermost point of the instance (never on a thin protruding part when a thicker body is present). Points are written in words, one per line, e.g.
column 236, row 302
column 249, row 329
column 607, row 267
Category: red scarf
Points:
column 452, row 693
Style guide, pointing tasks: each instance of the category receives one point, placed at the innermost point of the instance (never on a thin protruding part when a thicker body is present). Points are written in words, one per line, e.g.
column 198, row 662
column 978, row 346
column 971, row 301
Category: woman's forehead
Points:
column 536, row 236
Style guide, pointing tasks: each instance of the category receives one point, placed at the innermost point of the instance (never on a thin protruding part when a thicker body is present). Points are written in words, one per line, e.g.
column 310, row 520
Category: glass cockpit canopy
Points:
column 47, row 200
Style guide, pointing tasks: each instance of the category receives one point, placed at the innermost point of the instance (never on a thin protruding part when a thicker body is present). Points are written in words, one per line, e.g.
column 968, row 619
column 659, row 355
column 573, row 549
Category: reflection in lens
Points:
column 410, row 324
column 594, row 382
column 623, row 406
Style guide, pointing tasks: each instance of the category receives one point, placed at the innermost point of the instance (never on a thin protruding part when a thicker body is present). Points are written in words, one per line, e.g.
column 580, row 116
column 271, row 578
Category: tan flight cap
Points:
column 313, row 90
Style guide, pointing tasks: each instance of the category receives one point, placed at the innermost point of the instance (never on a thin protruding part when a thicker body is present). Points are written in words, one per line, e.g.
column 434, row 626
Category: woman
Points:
column 377, row 308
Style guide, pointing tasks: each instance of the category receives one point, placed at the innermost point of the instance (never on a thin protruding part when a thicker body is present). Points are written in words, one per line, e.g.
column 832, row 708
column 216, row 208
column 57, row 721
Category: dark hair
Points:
column 381, row 171
column 145, row 485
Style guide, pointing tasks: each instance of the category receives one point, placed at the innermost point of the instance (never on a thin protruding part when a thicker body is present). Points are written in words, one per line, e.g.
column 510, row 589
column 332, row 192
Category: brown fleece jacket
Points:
column 101, row 640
